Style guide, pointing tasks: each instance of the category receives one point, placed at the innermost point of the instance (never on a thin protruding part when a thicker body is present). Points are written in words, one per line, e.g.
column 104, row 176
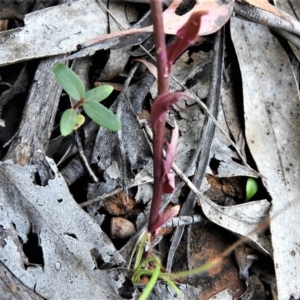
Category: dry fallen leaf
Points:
column 214, row 17
column 151, row 68
column 271, row 107
column 71, row 244
column 48, row 32
column 241, row 219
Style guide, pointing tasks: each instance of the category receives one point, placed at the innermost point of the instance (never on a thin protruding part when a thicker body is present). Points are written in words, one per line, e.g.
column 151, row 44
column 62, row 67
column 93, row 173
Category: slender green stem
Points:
column 149, row 287
column 146, row 261
column 198, row 270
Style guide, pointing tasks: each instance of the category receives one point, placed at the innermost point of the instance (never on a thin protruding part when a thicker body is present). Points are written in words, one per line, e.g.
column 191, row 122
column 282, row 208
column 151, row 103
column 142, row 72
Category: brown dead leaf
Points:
column 215, row 15
column 151, row 68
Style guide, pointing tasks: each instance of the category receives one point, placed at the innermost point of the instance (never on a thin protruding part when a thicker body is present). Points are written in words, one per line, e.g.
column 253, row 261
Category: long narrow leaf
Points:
column 68, row 122
column 70, row 82
column 99, row 93
column 101, row 115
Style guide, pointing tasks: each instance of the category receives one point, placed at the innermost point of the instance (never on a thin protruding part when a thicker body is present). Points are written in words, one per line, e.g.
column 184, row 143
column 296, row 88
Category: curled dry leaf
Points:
column 271, row 108
column 242, row 219
column 151, row 68
column 265, row 5
column 258, row 11
column 216, row 15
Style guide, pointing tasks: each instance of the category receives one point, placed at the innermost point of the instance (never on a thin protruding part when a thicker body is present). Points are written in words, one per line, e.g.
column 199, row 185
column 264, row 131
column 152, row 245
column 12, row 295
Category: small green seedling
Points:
column 89, row 100
column 251, row 188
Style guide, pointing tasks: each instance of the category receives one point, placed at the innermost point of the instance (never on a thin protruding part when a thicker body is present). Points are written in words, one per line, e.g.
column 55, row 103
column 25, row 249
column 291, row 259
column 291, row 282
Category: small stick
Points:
column 84, row 160
column 102, row 197
column 184, row 221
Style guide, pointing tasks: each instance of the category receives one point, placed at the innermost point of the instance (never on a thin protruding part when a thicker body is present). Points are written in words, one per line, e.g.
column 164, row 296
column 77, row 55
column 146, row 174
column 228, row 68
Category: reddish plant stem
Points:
column 159, row 130
column 78, row 103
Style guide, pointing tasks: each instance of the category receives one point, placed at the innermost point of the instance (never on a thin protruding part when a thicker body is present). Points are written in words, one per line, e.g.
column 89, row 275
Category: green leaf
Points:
column 79, row 121
column 251, row 188
column 99, row 93
column 68, row 122
column 101, row 115
column 70, row 82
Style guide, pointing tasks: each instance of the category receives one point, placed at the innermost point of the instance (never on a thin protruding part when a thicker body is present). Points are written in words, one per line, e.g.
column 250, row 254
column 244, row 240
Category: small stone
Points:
column 121, row 228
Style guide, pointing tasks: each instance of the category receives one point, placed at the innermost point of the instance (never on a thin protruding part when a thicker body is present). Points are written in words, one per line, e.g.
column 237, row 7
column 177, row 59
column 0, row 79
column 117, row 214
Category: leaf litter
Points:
column 70, row 240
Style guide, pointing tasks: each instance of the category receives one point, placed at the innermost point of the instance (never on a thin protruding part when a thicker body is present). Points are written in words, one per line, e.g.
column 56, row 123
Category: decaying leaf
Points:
column 48, row 32
column 72, row 247
column 271, row 107
column 216, row 15
column 241, row 219
column 151, row 68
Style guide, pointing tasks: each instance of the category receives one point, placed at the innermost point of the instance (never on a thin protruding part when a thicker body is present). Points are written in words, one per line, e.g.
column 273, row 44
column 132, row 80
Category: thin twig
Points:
column 102, row 197
column 84, row 160
column 184, row 221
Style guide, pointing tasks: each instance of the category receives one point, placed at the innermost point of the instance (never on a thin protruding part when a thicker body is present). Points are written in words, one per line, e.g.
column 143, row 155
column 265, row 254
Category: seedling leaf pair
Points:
column 70, row 82
column 89, row 100
column 101, row 115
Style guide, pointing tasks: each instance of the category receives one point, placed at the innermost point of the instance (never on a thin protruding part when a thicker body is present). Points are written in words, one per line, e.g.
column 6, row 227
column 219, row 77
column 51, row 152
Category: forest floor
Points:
column 67, row 232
